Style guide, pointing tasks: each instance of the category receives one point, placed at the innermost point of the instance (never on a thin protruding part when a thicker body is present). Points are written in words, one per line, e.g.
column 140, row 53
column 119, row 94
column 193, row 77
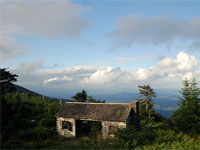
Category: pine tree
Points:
column 187, row 117
column 80, row 96
column 6, row 79
column 6, row 86
column 146, row 104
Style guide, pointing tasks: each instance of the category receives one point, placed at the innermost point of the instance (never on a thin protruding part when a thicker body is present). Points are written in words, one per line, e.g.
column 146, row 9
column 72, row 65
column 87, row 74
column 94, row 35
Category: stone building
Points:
column 76, row 119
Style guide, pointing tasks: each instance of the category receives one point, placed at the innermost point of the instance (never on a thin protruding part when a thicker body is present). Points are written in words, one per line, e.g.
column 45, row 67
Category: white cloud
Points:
column 168, row 73
column 169, row 67
column 188, row 76
column 46, row 18
column 104, row 76
column 166, row 68
column 57, row 80
column 186, row 62
column 134, row 29
column 143, row 74
column 50, row 80
column 183, row 62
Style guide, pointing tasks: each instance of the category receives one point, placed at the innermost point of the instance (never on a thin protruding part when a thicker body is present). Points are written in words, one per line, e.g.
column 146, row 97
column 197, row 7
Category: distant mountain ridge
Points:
column 165, row 104
column 20, row 89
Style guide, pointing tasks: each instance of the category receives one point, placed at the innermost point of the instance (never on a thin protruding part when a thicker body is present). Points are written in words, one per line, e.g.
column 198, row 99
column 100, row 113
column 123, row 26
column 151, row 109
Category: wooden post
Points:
column 60, row 102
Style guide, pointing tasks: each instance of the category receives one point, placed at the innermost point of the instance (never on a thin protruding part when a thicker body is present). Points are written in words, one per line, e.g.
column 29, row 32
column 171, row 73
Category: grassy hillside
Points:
column 30, row 124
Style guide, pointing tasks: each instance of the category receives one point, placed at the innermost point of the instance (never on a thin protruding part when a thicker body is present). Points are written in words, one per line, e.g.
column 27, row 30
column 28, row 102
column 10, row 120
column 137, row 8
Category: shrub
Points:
column 35, row 134
column 171, row 140
column 131, row 137
column 48, row 122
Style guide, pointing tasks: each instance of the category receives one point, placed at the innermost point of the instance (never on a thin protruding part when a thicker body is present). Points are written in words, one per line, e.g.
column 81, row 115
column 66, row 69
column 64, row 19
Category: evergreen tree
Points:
column 147, row 93
column 146, row 104
column 6, row 79
column 80, row 96
column 6, row 86
column 187, row 117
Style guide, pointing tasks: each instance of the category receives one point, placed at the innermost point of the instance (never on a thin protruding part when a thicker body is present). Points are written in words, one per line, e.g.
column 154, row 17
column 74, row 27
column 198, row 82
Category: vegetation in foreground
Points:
column 28, row 122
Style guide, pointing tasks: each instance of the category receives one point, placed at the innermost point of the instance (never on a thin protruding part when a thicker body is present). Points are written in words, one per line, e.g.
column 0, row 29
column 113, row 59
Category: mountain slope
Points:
column 20, row 89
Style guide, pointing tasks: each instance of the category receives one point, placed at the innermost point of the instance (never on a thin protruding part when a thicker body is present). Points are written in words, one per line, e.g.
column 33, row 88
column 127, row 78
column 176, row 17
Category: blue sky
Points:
column 101, row 46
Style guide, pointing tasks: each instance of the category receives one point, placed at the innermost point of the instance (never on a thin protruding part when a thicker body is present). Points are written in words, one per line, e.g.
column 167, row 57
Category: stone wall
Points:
column 108, row 127
column 66, row 132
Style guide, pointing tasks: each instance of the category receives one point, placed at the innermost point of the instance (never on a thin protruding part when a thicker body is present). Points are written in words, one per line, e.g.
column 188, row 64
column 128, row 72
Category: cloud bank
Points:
column 45, row 18
column 167, row 73
column 157, row 30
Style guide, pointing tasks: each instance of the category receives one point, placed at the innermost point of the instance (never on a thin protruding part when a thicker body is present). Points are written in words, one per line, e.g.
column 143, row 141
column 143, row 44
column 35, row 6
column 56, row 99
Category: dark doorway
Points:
column 131, row 119
column 85, row 127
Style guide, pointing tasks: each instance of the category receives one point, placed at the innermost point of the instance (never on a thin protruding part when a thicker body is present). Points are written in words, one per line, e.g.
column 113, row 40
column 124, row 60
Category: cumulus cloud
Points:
column 188, row 76
column 183, row 62
column 167, row 73
column 134, row 29
column 46, row 17
column 57, row 80
column 107, row 75
column 168, row 67
column 9, row 48
column 38, row 74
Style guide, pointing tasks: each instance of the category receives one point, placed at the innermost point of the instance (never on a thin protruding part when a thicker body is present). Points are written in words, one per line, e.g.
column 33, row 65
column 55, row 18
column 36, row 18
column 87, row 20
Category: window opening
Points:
column 67, row 125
